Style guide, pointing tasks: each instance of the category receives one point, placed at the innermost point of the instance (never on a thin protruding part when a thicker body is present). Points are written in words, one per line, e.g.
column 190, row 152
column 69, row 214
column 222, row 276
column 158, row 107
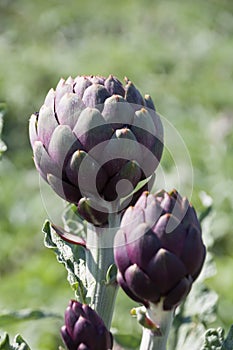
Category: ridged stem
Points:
column 99, row 258
column 163, row 319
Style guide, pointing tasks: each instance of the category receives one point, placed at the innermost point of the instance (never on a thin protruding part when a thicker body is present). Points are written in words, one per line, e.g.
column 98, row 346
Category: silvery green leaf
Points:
column 201, row 304
column 192, row 316
column 72, row 256
column 190, row 336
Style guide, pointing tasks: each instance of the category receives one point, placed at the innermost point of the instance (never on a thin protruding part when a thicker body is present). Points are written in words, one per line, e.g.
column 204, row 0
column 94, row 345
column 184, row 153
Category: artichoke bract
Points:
column 95, row 139
column 84, row 329
column 159, row 250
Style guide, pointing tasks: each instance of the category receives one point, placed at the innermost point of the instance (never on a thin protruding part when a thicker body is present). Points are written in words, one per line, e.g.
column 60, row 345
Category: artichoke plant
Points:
column 94, row 140
column 84, row 329
column 159, row 250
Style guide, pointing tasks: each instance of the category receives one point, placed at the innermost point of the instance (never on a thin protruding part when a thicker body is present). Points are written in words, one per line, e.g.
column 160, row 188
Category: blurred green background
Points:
column 180, row 52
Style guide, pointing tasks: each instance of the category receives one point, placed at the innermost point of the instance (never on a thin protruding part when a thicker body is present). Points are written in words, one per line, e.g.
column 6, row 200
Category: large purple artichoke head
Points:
column 84, row 329
column 159, row 250
column 95, row 139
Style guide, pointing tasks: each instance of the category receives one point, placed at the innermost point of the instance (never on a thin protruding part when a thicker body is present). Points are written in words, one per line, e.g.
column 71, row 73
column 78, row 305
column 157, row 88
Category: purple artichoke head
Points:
column 159, row 250
column 84, row 329
column 95, row 139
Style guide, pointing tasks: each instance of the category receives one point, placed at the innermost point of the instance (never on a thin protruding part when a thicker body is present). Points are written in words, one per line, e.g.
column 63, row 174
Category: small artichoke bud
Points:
column 84, row 329
column 159, row 250
column 89, row 132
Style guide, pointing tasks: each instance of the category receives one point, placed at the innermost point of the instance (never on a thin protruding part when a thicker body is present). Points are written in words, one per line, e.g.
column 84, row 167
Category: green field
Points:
column 180, row 52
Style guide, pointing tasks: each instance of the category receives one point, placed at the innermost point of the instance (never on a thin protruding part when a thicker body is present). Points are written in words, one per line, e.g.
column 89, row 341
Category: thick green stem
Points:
column 152, row 340
column 99, row 258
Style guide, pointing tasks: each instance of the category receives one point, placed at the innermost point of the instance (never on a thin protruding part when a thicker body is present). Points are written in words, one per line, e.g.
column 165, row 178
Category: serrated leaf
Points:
column 72, row 256
column 10, row 317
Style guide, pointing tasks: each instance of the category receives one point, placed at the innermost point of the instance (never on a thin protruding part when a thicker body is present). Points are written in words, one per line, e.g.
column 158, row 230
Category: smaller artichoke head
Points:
column 159, row 250
column 84, row 329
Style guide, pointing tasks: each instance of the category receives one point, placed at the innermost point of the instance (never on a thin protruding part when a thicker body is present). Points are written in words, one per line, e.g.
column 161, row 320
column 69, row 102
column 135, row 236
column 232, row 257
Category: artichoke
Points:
column 84, row 329
column 94, row 140
column 159, row 250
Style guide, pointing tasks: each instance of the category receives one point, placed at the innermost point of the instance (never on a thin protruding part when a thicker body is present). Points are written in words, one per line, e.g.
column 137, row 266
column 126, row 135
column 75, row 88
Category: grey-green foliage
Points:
column 18, row 343
column 2, row 112
column 199, row 309
column 72, row 256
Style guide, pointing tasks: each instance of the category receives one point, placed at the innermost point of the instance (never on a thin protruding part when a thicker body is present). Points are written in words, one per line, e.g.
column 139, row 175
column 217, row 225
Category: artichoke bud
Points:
column 103, row 118
column 84, row 329
column 159, row 249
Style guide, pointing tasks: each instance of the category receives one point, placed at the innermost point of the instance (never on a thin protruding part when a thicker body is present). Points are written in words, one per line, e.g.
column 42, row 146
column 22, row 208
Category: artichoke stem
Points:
column 163, row 319
column 99, row 258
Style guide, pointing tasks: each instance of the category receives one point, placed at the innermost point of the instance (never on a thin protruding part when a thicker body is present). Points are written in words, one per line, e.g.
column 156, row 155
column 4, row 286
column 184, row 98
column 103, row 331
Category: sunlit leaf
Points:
column 72, row 256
